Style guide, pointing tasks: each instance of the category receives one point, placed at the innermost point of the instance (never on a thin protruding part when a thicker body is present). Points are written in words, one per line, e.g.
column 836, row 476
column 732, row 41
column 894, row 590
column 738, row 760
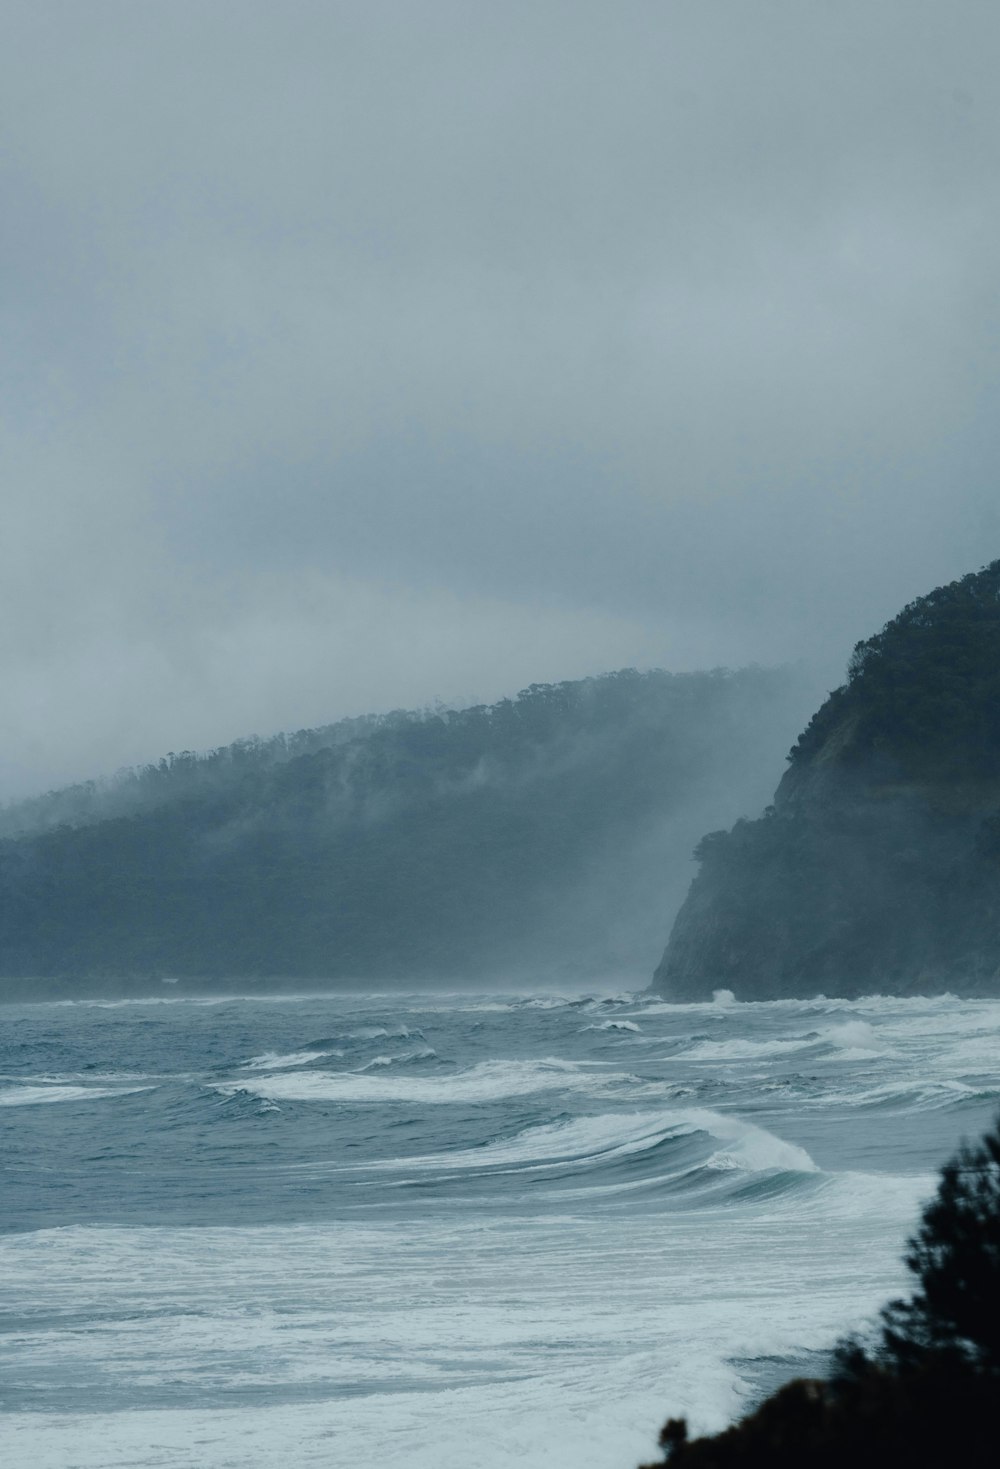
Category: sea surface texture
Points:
column 450, row 1230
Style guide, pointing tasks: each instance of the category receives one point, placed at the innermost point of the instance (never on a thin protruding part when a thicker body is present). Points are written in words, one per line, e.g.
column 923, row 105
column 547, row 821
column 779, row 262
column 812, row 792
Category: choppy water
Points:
column 449, row 1230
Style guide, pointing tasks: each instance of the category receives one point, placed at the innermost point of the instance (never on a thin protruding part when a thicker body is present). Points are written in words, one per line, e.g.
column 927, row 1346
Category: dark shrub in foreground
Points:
column 928, row 1393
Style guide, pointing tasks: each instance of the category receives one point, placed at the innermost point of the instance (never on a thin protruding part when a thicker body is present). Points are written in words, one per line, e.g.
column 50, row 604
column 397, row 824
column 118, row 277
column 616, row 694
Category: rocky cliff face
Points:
column 878, row 866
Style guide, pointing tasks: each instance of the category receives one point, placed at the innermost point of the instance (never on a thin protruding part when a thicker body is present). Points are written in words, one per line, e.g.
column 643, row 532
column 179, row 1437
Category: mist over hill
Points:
column 878, row 866
column 546, row 835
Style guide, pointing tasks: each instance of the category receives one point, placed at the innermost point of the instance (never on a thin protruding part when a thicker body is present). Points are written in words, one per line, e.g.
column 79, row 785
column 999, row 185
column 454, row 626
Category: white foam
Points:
column 615, row 1025
column 891, row 1006
column 754, row 1150
column 422, row 1053
column 538, row 1342
column 853, row 1040
column 739, row 1049
column 927, row 1094
column 78, row 1077
column 601, row 1138
column 274, row 1061
column 569, row 1141
column 487, row 1082
column 976, row 1056
column 854, row 1195
column 27, row 1096
column 543, row 1331
column 856, row 1036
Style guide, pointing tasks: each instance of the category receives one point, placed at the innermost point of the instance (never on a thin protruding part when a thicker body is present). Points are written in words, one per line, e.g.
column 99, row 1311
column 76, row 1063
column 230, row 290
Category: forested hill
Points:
column 188, row 773
column 878, row 866
column 547, row 834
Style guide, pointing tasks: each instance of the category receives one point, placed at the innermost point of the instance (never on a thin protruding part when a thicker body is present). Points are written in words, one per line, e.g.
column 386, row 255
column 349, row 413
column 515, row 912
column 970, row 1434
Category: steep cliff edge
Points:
column 878, row 866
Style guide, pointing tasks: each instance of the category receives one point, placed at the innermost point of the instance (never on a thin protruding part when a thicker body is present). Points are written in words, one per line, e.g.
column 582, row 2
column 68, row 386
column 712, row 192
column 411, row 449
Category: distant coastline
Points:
column 543, row 835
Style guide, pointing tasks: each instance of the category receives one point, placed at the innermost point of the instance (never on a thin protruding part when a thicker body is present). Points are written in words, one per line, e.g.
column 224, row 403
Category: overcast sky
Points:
column 357, row 355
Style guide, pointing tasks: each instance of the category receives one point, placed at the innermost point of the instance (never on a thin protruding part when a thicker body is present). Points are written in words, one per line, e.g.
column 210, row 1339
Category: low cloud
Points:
column 358, row 356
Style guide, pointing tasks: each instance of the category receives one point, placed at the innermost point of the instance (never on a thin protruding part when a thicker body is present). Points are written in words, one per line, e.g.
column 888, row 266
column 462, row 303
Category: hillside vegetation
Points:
column 878, row 866
column 546, row 833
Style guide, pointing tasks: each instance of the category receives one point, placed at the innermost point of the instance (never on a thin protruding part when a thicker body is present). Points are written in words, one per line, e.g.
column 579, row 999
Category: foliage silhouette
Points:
column 924, row 693
column 927, row 1391
column 955, row 1313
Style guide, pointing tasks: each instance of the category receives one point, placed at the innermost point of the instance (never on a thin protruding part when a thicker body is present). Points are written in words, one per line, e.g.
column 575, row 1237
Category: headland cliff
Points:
column 877, row 868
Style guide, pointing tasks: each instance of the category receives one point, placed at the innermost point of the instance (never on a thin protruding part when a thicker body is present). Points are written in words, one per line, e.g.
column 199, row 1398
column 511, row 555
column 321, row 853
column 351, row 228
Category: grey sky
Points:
column 355, row 355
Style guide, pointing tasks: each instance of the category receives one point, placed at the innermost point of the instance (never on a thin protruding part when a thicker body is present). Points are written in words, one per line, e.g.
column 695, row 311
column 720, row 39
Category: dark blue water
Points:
column 312, row 1230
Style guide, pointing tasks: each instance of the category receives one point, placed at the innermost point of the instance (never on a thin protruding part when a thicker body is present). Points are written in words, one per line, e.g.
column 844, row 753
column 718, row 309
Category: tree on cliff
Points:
column 928, row 1391
column 923, row 695
column 878, row 868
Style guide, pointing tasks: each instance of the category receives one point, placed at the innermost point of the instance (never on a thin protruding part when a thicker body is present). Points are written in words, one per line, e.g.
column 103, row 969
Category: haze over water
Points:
column 358, row 356
column 452, row 1228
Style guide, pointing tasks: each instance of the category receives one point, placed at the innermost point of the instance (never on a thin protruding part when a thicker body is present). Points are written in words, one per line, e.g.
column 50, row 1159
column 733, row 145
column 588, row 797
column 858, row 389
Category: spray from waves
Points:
column 614, row 1025
column 751, row 1148
column 855, row 1039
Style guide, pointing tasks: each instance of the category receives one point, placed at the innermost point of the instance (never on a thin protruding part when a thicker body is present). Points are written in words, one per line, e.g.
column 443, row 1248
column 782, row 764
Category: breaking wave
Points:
column 489, row 1081
column 688, row 1151
column 579, row 1203
column 274, row 1061
column 27, row 1096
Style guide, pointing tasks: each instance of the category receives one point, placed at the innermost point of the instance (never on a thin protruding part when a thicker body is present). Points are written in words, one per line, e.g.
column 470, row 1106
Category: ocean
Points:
column 451, row 1229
